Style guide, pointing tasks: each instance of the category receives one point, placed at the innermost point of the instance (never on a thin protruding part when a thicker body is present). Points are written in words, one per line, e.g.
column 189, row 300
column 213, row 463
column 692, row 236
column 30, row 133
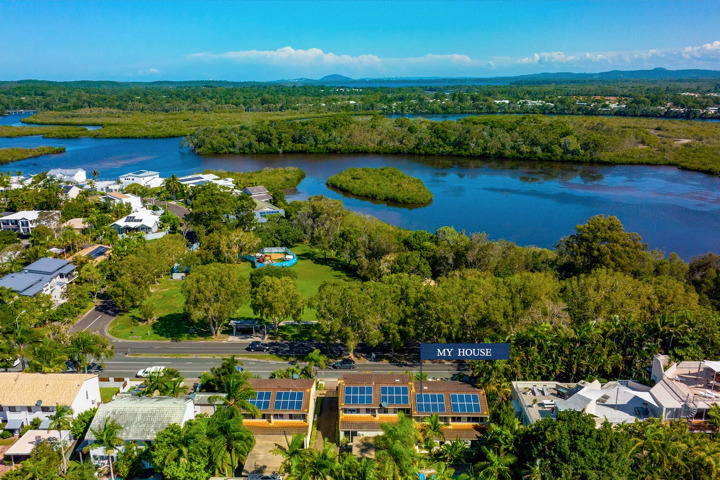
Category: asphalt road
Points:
column 133, row 355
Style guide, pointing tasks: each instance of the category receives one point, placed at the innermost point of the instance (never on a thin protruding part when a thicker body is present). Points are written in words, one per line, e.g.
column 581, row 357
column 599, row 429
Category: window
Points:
column 350, row 411
column 279, row 416
column 12, row 409
column 87, row 395
column 46, row 409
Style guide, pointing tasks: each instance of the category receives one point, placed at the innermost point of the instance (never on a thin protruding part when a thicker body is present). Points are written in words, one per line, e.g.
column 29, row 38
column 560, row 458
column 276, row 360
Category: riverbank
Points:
column 8, row 155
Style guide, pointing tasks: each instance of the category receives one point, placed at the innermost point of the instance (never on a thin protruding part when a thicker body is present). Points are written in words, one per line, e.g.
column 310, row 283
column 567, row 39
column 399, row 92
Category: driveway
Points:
column 260, row 460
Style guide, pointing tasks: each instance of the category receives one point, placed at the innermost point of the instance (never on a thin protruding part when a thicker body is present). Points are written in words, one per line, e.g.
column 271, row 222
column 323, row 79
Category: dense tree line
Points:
column 533, row 137
column 385, row 183
column 8, row 155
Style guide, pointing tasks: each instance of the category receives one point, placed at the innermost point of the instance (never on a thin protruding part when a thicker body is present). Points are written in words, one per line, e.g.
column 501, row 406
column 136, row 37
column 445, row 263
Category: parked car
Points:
column 145, row 372
column 344, row 364
column 258, row 347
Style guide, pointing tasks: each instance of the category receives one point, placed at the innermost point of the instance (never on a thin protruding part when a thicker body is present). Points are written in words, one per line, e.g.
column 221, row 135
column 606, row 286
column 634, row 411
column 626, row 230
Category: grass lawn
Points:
column 167, row 297
column 107, row 393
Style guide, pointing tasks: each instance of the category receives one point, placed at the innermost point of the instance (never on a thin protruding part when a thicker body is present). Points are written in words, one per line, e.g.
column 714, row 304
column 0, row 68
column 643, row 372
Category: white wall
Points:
column 88, row 397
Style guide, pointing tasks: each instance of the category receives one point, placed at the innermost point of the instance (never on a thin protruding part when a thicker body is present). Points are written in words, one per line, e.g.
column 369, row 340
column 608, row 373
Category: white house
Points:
column 141, row 418
column 146, row 178
column 49, row 276
column 142, row 220
column 74, row 175
column 25, row 221
column 203, row 178
column 107, row 186
column 118, row 197
column 25, row 396
column 70, row 191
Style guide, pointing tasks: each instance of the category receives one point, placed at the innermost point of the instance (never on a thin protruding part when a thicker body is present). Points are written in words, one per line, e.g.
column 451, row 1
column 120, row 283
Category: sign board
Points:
column 464, row 351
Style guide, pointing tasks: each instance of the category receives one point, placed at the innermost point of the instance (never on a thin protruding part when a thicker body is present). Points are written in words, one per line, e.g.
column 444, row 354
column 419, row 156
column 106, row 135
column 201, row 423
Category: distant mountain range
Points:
column 537, row 78
column 659, row 74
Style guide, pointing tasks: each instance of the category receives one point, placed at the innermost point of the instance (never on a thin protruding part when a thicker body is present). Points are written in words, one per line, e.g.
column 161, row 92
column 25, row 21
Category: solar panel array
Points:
column 465, row 403
column 261, row 400
column 97, row 251
column 358, row 395
column 394, row 395
column 289, row 400
column 430, row 402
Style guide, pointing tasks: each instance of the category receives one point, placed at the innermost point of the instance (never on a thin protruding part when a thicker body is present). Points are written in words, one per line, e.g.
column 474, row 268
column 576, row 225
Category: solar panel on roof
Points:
column 358, row 395
column 430, row 402
column 289, row 400
column 97, row 252
column 465, row 403
column 261, row 400
column 396, row 395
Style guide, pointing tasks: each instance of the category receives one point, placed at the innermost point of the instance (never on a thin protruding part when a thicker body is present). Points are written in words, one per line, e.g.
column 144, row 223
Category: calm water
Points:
column 528, row 203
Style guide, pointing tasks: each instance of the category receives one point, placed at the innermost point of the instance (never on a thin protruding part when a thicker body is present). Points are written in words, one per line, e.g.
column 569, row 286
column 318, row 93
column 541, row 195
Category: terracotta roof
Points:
column 278, row 427
column 365, row 422
column 463, row 431
column 118, row 195
column 18, row 389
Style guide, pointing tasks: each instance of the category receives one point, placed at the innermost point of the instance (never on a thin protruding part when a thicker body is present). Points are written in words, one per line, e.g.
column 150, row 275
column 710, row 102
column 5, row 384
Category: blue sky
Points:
column 269, row 40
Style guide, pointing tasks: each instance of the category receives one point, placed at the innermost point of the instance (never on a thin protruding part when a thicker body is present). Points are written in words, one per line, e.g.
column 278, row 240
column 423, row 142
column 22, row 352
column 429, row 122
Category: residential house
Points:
column 117, row 198
column 264, row 210
column 25, row 396
column 145, row 221
column 48, row 276
column 107, row 186
column 141, row 418
column 368, row 400
column 460, row 405
column 73, row 175
column 71, row 191
column 287, row 408
column 622, row 401
column 25, row 221
column 258, row 193
column 146, row 178
column 685, row 390
column 25, row 445
column 204, row 178
column 76, row 224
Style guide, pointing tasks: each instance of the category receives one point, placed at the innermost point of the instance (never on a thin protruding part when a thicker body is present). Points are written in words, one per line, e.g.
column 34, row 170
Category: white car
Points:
column 16, row 362
column 145, row 372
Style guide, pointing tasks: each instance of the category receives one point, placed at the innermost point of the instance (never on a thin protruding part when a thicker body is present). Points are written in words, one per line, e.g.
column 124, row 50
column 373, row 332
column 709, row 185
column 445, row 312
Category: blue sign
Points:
column 465, row 351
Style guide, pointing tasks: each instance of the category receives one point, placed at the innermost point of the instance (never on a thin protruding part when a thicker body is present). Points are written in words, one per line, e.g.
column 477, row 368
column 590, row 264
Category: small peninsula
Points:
column 385, row 183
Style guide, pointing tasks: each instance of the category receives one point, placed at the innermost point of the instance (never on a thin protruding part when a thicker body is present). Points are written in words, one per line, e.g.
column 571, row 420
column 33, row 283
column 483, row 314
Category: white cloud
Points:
column 290, row 56
column 313, row 60
column 149, row 71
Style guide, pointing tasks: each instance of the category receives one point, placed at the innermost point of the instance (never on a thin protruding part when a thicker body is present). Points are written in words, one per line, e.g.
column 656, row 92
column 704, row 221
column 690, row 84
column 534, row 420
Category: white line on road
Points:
column 91, row 323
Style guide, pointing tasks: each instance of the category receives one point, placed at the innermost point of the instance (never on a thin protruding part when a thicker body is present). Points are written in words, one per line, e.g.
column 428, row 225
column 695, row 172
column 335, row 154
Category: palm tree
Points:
column 84, row 344
column 107, row 437
column 315, row 359
column 443, row 472
column 496, row 465
column 535, row 471
column 292, row 454
column 433, row 428
column 47, row 357
column 453, row 452
column 176, row 387
column 238, row 394
column 319, row 464
column 230, row 441
column 95, row 174
column 190, row 443
column 61, row 420
column 173, row 185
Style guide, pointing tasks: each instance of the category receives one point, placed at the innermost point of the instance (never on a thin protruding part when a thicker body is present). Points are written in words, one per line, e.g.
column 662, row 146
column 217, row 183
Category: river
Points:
column 525, row 202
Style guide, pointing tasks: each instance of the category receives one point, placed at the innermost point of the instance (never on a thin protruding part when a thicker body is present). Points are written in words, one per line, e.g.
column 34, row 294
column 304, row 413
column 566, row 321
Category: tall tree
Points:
column 107, row 437
column 214, row 293
column 61, row 420
column 276, row 300
column 85, row 347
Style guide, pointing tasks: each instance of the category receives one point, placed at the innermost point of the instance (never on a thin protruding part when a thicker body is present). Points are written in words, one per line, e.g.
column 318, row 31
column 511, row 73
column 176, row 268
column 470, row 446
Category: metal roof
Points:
column 47, row 265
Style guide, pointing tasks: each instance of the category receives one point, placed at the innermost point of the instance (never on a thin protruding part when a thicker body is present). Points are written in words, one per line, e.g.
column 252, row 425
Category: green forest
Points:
column 385, row 183
column 14, row 154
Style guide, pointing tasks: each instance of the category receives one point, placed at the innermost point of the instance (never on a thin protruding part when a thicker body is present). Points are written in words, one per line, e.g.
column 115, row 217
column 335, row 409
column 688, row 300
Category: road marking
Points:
column 91, row 323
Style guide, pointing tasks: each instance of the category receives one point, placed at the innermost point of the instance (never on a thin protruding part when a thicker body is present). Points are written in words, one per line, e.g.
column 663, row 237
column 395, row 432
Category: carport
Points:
column 260, row 460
